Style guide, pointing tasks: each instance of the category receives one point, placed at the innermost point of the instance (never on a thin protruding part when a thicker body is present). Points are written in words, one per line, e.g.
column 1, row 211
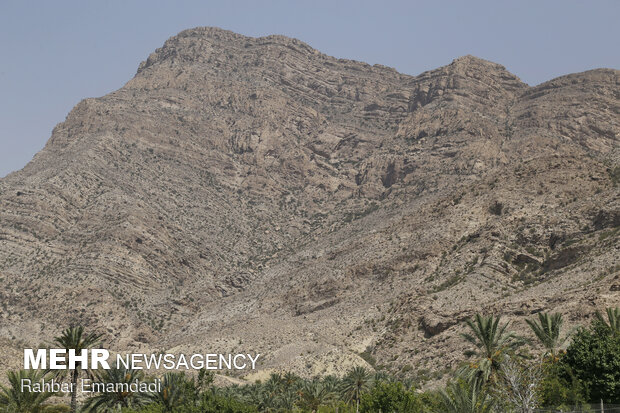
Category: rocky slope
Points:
column 255, row 194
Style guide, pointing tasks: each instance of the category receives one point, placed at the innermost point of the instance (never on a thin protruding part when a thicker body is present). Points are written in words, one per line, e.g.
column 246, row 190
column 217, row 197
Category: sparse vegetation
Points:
column 614, row 175
column 496, row 208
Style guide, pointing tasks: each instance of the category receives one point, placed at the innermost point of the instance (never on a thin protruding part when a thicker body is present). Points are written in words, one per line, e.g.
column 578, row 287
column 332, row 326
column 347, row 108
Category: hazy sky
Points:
column 55, row 53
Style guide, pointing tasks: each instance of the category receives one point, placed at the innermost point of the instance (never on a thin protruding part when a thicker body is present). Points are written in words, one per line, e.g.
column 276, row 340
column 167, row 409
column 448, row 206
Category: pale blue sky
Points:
column 55, row 53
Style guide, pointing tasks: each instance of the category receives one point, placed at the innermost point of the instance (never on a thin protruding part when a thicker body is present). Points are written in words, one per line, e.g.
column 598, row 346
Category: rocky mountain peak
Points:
column 467, row 61
column 206, row 44
column 255, row 190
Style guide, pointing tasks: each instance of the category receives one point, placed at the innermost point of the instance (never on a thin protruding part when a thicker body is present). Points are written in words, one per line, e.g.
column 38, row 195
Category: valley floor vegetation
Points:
column 574, row 371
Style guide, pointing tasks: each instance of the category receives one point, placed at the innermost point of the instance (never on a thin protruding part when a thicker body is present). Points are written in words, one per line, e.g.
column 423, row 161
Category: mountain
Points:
column 254, row 194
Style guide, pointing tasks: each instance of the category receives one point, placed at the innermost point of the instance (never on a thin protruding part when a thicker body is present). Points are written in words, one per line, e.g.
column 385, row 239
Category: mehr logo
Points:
column 61, row 359
column 97, row 358
column 77, row 354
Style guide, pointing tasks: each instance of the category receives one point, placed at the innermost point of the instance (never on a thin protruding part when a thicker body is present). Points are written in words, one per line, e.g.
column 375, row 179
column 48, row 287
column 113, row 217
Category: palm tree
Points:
column 274, row 385
column 613, row 315
column 354, row 384
column 204, row 380
column 290, row 380
column 13, row 399
column 287, row 394
column 256, row 395
column 464, row 397
column 73, row 338
column 382, row 376
column 313, row 394
column 287, row 399
column 492, row 342
column 171, row 395
column 331, row 383
column 119, row 398
column 547, row 330
column 232, row 391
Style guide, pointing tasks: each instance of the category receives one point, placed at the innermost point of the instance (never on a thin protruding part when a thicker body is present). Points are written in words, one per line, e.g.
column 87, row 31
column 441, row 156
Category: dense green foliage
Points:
column 391, row 396
column 498, row 377
column 559, row 386
column 208, row 404
column 593, row 357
